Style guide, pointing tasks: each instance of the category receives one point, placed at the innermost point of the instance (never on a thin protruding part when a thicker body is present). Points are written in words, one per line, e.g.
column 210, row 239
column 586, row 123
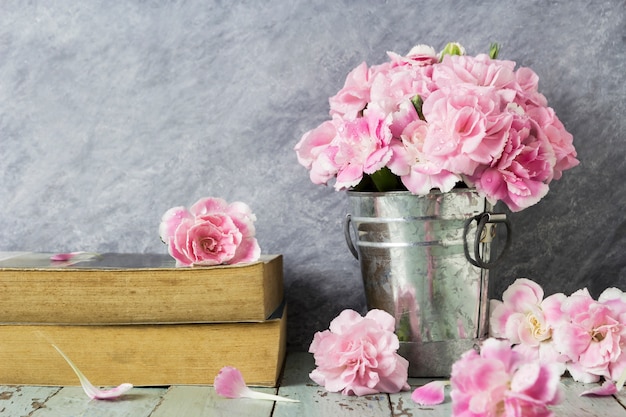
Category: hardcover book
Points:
column 143, row 355
column 118, row 288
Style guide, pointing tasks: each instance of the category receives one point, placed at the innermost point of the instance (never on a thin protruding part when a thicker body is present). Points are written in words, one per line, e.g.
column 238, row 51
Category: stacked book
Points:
column 138, row 318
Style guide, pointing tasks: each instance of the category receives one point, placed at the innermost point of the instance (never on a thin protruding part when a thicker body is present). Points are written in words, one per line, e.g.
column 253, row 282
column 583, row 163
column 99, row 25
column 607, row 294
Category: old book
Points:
column 136, row 288
column 145, row 354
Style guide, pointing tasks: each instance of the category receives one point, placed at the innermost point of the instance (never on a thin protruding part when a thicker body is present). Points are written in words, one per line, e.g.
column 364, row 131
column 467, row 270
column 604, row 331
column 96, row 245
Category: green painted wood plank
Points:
column 574, row 405
column 621, row 397
column 72, row 401
column 200, row 401
column 23, row 400
column 316, row 401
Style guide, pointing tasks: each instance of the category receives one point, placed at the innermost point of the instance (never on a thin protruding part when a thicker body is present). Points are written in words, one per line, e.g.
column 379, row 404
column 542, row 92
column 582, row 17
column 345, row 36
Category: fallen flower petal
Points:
column 229, row 383
column 608, row 388
column 430, row 394
column 73, row 256
column 91, row 391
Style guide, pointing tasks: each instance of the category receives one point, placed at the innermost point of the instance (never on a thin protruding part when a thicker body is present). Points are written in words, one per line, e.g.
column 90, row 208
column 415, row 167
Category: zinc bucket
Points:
column 425, row 260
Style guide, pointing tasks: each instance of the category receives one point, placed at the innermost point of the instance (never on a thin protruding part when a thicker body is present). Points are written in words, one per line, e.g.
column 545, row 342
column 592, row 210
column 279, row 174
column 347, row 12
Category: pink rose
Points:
column 592, row 336
column 212, row 232
column 357, row 355
column 499, row 381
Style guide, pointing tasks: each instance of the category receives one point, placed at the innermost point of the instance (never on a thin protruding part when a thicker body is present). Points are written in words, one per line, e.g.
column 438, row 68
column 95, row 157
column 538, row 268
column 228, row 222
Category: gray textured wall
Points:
column 111, row 112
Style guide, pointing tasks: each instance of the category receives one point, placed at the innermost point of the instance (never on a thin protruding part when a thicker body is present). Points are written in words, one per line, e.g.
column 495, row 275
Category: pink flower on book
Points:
column 211, row 232
column 499, row 381
column 357, row 355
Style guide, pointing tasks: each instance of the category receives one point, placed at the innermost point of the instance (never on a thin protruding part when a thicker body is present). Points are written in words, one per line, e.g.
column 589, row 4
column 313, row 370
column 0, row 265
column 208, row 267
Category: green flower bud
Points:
column 494, row 50
column 452, row 48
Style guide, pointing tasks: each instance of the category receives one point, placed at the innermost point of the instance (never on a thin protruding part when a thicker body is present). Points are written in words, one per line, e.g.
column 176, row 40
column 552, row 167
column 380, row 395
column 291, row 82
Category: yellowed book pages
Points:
column 144, row 355
column 136, row 288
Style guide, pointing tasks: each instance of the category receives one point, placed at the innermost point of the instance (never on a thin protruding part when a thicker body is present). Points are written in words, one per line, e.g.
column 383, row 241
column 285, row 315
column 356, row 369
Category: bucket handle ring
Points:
column 481, row 222
column 346, row 232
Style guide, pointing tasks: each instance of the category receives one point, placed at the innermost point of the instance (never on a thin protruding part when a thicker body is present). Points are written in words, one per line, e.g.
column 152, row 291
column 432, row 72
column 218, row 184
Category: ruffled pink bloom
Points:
column 467, row 127
column 480, row 70
column 520, row 316
column 592, row 337
column 561, row 140
column 354, row 95
column 520, row 177
column 312, row 152
column 360, row 147
column 357, row 355
column 393, row 86
column 212, row 232
column 526, row 319
column 418, row 174
column 499, row 381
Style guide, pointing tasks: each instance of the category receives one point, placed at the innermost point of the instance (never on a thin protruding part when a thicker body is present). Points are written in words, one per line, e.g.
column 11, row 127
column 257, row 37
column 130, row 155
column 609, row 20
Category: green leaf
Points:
column 385, row 180
column 494, row 50
column 418, row 103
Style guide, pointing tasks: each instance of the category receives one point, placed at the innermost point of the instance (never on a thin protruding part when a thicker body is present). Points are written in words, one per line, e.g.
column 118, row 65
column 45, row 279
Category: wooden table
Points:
column 196, row 401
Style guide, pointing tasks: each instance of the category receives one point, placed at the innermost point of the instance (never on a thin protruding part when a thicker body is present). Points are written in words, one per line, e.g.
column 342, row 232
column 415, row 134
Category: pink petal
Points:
column 91, row 391
column 229, row 383
column 73, row 256
column 608, row 388
column 430, row 394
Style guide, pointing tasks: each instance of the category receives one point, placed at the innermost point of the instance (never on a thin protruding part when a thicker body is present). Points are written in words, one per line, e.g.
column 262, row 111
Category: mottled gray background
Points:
column 111, row 112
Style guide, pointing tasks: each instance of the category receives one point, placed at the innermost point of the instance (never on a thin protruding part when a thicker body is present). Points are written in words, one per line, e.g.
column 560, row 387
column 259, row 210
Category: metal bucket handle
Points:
column 482, row 220
column 346, row 232
column 483, row 234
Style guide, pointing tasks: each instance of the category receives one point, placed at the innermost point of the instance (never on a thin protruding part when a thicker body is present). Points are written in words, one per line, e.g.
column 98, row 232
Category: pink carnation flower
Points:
column 499, row 381
column 592, row 335
column 409, row 161
column 467, row 127
column 212, row 232
column 525, row 318
column 354, row 95
column 357, row 355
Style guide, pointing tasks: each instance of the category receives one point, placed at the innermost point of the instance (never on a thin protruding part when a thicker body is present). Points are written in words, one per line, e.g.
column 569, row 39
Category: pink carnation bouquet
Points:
column 432, row 120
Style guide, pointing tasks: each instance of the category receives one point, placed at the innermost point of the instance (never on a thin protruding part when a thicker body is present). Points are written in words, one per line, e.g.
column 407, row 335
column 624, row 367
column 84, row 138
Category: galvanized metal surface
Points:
column 411, row 251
